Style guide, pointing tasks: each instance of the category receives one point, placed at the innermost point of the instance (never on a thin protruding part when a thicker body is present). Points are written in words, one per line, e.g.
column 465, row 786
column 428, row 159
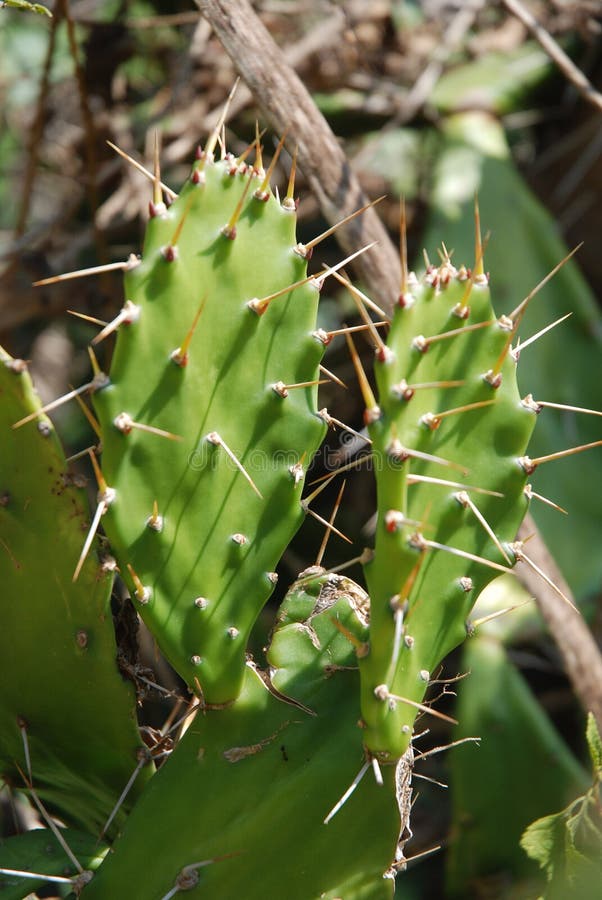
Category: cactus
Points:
column 242, row 800
column 208, row 420
column 37, row 852
column 473, row 155
column 219, row 316
column 66, row 714
column 449, row 435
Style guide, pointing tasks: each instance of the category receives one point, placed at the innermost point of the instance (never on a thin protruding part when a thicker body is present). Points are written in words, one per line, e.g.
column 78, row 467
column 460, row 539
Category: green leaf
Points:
column 27, row 7
column 500, row 82
column 543, row 840
column 522, row 769
column 396, row 156
column 568, row 844
column 594, row 743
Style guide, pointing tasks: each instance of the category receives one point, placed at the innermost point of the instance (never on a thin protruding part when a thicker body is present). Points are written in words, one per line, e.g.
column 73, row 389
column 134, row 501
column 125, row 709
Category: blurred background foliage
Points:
column 435, row 100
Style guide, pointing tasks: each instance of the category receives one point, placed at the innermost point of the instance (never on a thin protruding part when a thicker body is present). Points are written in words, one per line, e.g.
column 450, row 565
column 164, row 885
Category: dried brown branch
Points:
column 319, row 38
column 286, row 103
column 556, row 53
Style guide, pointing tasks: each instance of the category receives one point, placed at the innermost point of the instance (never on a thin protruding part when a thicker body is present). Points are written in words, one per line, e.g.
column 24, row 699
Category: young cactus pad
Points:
column 448, row 411
column 67, row 716
column 200, row 512
column 243, row 798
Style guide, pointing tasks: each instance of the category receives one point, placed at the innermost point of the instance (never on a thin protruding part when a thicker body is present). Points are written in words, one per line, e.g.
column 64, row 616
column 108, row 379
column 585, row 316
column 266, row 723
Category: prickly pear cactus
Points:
column 449, row 434
column 243, row 799
column 23, row 855
column 208, row 421
column 216, row 353
column 67, row 717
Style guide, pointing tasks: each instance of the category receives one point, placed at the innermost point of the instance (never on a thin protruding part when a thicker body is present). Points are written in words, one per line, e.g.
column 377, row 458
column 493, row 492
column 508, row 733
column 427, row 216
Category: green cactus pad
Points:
column 257, row 780
column 39, row 851
column 444, row 335
column 57, row 641
column 474, row 156
column 205, row 561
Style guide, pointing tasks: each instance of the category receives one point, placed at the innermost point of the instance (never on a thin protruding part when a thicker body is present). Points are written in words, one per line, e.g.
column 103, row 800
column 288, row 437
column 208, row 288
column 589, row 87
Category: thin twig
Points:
column 568, row 68
column 37, row 129
column 90, row 133
column 451, row 41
